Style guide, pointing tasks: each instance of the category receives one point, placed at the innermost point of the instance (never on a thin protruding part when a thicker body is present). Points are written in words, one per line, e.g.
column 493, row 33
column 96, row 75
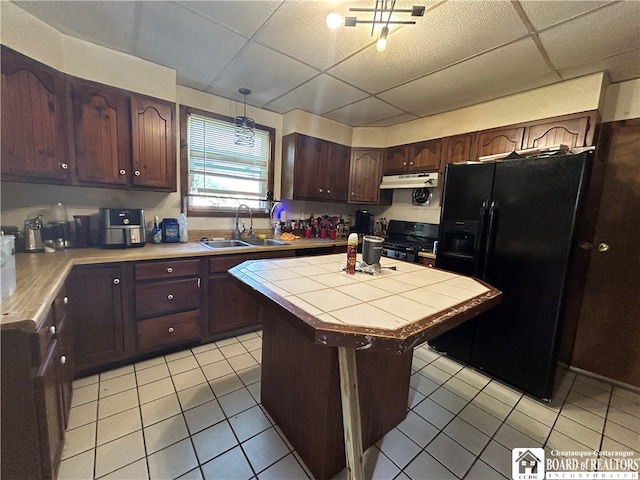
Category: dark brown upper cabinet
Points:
column 396, row 160
column 458, row 148
column 365, row 173
column 572, row 132
column 500, row 140
column 34, row 135
column 425, row 156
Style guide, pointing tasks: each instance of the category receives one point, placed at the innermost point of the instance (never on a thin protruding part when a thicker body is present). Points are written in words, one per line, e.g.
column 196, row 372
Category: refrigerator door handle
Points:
column 493, row 218
column 482, row 223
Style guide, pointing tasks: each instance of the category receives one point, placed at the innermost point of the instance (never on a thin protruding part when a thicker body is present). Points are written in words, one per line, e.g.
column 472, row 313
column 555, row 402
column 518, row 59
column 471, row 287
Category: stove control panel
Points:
column 390, row 253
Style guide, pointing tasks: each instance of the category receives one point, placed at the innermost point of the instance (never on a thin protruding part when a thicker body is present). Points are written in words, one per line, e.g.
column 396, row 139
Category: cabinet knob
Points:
column 353, row 193
column 320, row 190
column 65, row 300
column 52, row 329
column 116, row 281
column 123, row 172
column 603, row 247
column 169, row 269
column 63, row 359
column 404, row 164
column 64, row 166
column 410, row 163
column 170, row 297
column 137, row 173
column 328, row 191
column 170, row 329
column 429, row 266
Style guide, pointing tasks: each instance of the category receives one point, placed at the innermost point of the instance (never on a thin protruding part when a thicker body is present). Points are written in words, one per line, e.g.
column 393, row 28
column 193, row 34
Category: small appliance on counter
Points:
column 122, row 227
column 363, row 222
column 33, row 235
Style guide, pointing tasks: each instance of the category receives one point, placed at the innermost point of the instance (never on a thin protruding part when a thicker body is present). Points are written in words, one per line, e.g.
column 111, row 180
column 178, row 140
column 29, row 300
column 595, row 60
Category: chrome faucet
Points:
column 240, row 229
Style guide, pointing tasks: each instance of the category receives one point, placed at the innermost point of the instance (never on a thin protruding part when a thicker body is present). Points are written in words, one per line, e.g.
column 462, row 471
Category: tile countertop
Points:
column 39, row 276
column 391, row 311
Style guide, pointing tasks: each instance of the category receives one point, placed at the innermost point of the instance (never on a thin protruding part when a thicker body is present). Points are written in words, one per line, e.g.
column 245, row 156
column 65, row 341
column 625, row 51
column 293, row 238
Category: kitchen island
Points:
column 337, row 348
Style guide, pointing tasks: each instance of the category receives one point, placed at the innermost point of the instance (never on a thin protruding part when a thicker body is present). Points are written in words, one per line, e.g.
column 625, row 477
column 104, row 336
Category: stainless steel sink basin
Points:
column 264, row 242
column 224, row 243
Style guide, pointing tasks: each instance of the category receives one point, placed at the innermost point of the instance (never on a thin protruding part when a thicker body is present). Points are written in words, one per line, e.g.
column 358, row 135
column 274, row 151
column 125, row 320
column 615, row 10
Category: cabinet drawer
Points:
column 166, row 269
column 161, row 332
column 167, row 297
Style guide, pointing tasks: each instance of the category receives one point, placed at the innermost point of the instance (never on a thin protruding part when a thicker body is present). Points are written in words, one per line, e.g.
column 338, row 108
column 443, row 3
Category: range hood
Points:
column 410, row 180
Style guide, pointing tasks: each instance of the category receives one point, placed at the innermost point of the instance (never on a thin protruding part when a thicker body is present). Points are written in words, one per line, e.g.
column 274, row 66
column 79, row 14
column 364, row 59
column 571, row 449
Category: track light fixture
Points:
column 382, row 13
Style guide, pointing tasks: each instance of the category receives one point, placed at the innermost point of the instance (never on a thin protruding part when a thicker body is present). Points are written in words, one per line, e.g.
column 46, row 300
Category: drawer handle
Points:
column 169, row 269
column 63, row 359
column 170, row 297
column 116, row 281
column 170, row 329
column 65, row 300
column 52, row 329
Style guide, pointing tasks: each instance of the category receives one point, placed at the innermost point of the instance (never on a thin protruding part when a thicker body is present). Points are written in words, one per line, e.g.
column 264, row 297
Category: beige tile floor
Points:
column 196, row 414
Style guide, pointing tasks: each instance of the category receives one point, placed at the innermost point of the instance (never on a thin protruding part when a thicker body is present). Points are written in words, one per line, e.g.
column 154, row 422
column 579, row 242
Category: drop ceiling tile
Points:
column 445, row 35
column 365, row 111
column 483, row 74
column 541, row 16
column 308, row 37
column 267, row 73
column 245, row 17
column 581, row 41
column 625, row 66
column 319, row 95
column 78, row 19
column 195, row 47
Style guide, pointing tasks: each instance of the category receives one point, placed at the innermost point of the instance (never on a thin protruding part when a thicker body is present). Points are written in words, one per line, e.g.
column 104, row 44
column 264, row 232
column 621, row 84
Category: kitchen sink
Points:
column 224, row 243
column 247, row 242
column 264, row 242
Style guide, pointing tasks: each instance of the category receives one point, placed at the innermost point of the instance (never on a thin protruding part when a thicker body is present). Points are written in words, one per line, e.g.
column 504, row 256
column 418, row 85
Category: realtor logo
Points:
column 527, row 464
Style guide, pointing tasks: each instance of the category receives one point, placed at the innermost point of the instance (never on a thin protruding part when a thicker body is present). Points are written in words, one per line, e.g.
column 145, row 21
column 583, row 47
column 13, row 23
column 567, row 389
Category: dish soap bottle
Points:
column 183, row 233
column 352, row 250
column 157, row 231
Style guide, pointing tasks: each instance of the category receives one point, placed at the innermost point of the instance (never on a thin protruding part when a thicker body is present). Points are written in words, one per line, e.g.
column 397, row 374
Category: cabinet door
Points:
column 570, row 132
column 50, row 410
column 425, row 156
column 337, row 175
column 100, row 134
column 364, row 176
column 96, row 310
column 230, row 307
column 395, row 160
column 504, row 140
column 310, row 167
column 458, row 148
column 34, row 140
column 153, row 154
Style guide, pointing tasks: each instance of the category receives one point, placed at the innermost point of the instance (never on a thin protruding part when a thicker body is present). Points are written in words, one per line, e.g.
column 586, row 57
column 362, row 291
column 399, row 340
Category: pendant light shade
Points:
column 244, row 126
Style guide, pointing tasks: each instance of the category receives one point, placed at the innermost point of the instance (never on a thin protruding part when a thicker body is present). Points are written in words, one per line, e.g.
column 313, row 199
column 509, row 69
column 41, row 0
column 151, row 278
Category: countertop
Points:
column 393, row 310
column 39, row 276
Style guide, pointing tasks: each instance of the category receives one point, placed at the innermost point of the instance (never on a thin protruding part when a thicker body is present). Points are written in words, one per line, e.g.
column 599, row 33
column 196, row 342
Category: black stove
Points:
column 406, row 239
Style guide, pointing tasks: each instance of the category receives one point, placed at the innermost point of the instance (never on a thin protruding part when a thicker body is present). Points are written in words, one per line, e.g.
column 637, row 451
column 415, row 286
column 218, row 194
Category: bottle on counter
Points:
column 170, row 230
column 352, row 250
column 156, row 233
column 183, row 233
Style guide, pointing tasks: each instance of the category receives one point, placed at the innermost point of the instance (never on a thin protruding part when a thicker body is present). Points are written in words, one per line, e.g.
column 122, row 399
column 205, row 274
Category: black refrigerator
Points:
column 512, row 223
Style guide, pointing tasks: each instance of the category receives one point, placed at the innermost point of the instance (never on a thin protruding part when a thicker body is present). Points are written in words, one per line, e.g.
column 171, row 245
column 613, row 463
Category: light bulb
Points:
column 334, row 21
column 381, row 44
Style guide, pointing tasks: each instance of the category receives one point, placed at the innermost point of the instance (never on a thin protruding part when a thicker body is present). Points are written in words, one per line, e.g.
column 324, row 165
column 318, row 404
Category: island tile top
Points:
column 396, row 303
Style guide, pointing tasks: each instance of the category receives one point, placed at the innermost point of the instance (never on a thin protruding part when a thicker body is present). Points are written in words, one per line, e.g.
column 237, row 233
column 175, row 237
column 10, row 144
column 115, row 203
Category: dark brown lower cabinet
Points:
column 96, row 305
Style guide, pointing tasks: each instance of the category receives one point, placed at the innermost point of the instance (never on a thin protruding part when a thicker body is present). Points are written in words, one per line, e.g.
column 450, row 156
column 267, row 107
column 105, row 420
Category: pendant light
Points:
column 244, row 126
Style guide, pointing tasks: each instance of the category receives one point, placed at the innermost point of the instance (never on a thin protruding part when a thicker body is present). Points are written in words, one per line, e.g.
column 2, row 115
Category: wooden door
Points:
column 425, row 156
column 458, row 148
column 50, row 410
column 364, row 176
column 570, row 132
column 337, row 176
column 608, row 330
column 34, row 139
column 310, row 168
column 153, row 152
column 500, row 140
column 395, row 160
column 96, row 310
column 100, row 134
column 230, row 307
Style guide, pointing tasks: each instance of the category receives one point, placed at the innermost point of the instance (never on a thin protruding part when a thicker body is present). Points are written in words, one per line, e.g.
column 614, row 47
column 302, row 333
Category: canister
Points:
column 7, row 265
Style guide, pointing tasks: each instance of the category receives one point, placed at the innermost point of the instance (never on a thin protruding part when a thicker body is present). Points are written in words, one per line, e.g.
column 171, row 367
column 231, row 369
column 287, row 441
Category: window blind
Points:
column 221, row 173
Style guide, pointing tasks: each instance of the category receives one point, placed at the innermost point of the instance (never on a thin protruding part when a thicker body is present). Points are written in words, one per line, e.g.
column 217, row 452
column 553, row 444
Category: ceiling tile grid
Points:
column 458, row 54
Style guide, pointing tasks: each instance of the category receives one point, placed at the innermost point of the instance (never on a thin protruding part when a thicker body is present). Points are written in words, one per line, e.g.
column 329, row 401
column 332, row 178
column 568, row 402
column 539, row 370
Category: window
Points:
column 217, row 174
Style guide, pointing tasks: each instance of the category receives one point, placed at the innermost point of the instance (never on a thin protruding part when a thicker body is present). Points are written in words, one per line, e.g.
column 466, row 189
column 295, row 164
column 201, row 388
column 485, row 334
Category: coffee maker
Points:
column 363, row 222
column 122, row 227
